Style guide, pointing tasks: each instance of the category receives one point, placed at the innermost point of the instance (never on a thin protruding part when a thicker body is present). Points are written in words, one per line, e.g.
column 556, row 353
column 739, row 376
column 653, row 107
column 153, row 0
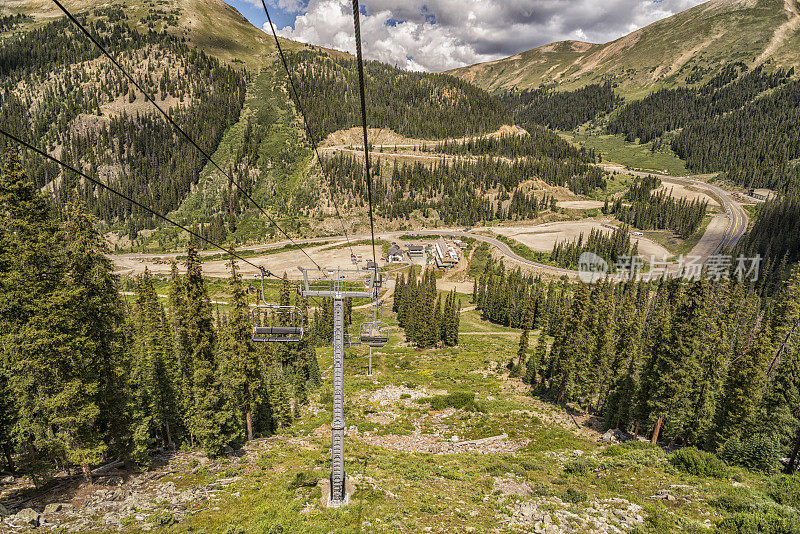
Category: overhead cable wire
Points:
column 126, row 197
column 298, row 104
column 362, row 92
column 166, row 115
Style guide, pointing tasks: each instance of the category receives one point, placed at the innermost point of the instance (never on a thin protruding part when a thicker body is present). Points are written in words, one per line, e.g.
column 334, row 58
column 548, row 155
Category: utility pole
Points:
column 350, row 283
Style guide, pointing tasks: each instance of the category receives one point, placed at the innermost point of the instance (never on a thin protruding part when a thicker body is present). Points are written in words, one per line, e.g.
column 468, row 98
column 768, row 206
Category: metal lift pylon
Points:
column 338, row 285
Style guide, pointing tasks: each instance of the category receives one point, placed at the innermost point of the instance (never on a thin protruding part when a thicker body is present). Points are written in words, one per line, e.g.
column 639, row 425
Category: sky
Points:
column 437, row 35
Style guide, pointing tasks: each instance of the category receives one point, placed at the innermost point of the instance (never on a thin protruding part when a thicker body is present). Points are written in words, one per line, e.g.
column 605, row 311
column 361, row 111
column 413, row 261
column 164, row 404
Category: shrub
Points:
column 303, row 480
column 767, row 521
column 631, row 445
column 464, row 400
column 581, row 465
column 737, row 501
column 759, row 452
column 784, row 489
column 574, row 496
column 698, row 463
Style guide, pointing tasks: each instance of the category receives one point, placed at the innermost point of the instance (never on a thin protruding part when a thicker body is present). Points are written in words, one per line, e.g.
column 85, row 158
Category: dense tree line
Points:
column 756, row 146
column 561, row 110
column 86, row 377
column 538, row 142
column 414, row 104
column 609, row 246
column 671, row 109
column 706, row 363
column 741, row 123
column 702, row 363
column 458, row 190
column 646, row 209
column 426, row 320
column 131, row 151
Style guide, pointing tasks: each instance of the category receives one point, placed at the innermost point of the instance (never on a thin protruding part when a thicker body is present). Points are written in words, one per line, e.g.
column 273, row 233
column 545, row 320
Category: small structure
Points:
column 395, row 254
column 446, row 255
column 416, row 251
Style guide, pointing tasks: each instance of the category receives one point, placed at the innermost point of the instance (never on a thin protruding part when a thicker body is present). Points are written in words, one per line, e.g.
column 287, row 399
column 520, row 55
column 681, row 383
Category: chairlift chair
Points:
column 273, row 323
column 277, row 324
column 374, row 334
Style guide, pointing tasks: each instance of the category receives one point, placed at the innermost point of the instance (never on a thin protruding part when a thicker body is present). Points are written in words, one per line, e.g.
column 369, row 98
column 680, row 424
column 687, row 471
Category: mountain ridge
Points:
column 682, row 49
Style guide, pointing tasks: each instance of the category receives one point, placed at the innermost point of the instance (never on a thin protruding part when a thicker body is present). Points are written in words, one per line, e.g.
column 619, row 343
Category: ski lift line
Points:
column 124, row 196
column 362, row 92
column 299, row 106
column 176, row 126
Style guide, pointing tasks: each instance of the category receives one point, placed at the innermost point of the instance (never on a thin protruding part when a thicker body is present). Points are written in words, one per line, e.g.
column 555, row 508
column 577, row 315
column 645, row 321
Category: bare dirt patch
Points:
column 689, row 193
column 581, row 204
column 389, row 138
column 543, row 237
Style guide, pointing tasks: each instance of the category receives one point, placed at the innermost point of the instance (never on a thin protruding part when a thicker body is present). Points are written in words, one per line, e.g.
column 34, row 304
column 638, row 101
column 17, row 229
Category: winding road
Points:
column 724, row 233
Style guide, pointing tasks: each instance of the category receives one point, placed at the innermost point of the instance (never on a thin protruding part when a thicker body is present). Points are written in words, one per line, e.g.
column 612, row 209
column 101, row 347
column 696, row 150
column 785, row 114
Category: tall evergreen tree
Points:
column 211, row 420
column 239, row 362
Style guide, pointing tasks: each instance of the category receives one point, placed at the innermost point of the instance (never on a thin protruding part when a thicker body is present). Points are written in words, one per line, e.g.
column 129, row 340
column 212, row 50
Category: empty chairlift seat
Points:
column 277, row 324
column 374, row 334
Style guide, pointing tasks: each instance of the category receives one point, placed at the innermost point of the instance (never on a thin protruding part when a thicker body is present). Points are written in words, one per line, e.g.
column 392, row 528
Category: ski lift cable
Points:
column 130, row 78
column 362, row 92
column 296, row 97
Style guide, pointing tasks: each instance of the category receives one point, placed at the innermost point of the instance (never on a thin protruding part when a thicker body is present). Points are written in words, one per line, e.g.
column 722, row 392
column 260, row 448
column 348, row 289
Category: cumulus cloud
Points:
column 437, row 35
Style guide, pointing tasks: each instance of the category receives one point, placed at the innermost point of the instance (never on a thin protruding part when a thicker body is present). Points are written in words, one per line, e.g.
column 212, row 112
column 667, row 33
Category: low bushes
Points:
column 463, row 400
column 784, row 489
column 768, row 520
column 699, row 463
column 759, row 452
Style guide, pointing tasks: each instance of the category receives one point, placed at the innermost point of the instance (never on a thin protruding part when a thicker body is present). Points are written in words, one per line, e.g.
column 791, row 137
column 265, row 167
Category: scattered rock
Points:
column 663, row 495
column 28, row 516
column 616, row 435
column 53, row 508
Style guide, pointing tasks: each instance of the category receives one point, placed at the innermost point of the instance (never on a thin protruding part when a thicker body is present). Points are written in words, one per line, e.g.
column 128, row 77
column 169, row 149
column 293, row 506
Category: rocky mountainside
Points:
column 683, row 49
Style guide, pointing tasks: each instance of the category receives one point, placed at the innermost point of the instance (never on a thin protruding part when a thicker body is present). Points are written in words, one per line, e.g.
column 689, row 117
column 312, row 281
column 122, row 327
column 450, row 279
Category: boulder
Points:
column 53, row 508
column 28, row 516
column 663, row 495
column 4, row 511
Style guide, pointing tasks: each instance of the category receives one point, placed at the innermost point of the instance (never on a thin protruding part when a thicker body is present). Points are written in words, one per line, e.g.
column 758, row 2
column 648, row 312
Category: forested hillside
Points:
column 464, row 192
column 561, row 110
column 702, row 363
column 60, row 95
column 417, row 105
column 740, row 122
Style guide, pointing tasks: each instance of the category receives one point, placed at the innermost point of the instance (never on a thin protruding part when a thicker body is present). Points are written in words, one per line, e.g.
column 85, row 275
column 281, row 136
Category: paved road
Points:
column 737, row 225
column 737, row 216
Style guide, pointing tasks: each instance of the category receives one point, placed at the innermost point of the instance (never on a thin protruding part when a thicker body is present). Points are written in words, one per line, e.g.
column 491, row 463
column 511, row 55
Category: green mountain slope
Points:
column 220, row 78
column 684, row 48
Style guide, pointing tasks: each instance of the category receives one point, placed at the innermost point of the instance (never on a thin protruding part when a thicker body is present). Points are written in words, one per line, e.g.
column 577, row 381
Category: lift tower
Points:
column 339, row 284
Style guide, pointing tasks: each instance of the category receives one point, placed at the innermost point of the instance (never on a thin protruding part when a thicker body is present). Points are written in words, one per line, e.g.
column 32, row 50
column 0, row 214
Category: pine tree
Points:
column 743, row 391
column 211, row 419
column 239, row 362
column 179, row 326
column 779, row 411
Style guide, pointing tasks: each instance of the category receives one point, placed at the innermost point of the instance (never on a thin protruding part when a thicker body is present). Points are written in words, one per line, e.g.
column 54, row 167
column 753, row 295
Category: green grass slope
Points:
column 682, row 49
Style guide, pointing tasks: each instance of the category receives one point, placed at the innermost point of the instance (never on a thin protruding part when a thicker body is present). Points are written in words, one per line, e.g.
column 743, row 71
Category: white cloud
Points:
column 437, row 35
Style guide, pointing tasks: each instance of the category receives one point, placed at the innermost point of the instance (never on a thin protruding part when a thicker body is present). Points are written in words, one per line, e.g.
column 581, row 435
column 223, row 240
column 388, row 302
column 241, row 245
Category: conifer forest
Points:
column 336, row 278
